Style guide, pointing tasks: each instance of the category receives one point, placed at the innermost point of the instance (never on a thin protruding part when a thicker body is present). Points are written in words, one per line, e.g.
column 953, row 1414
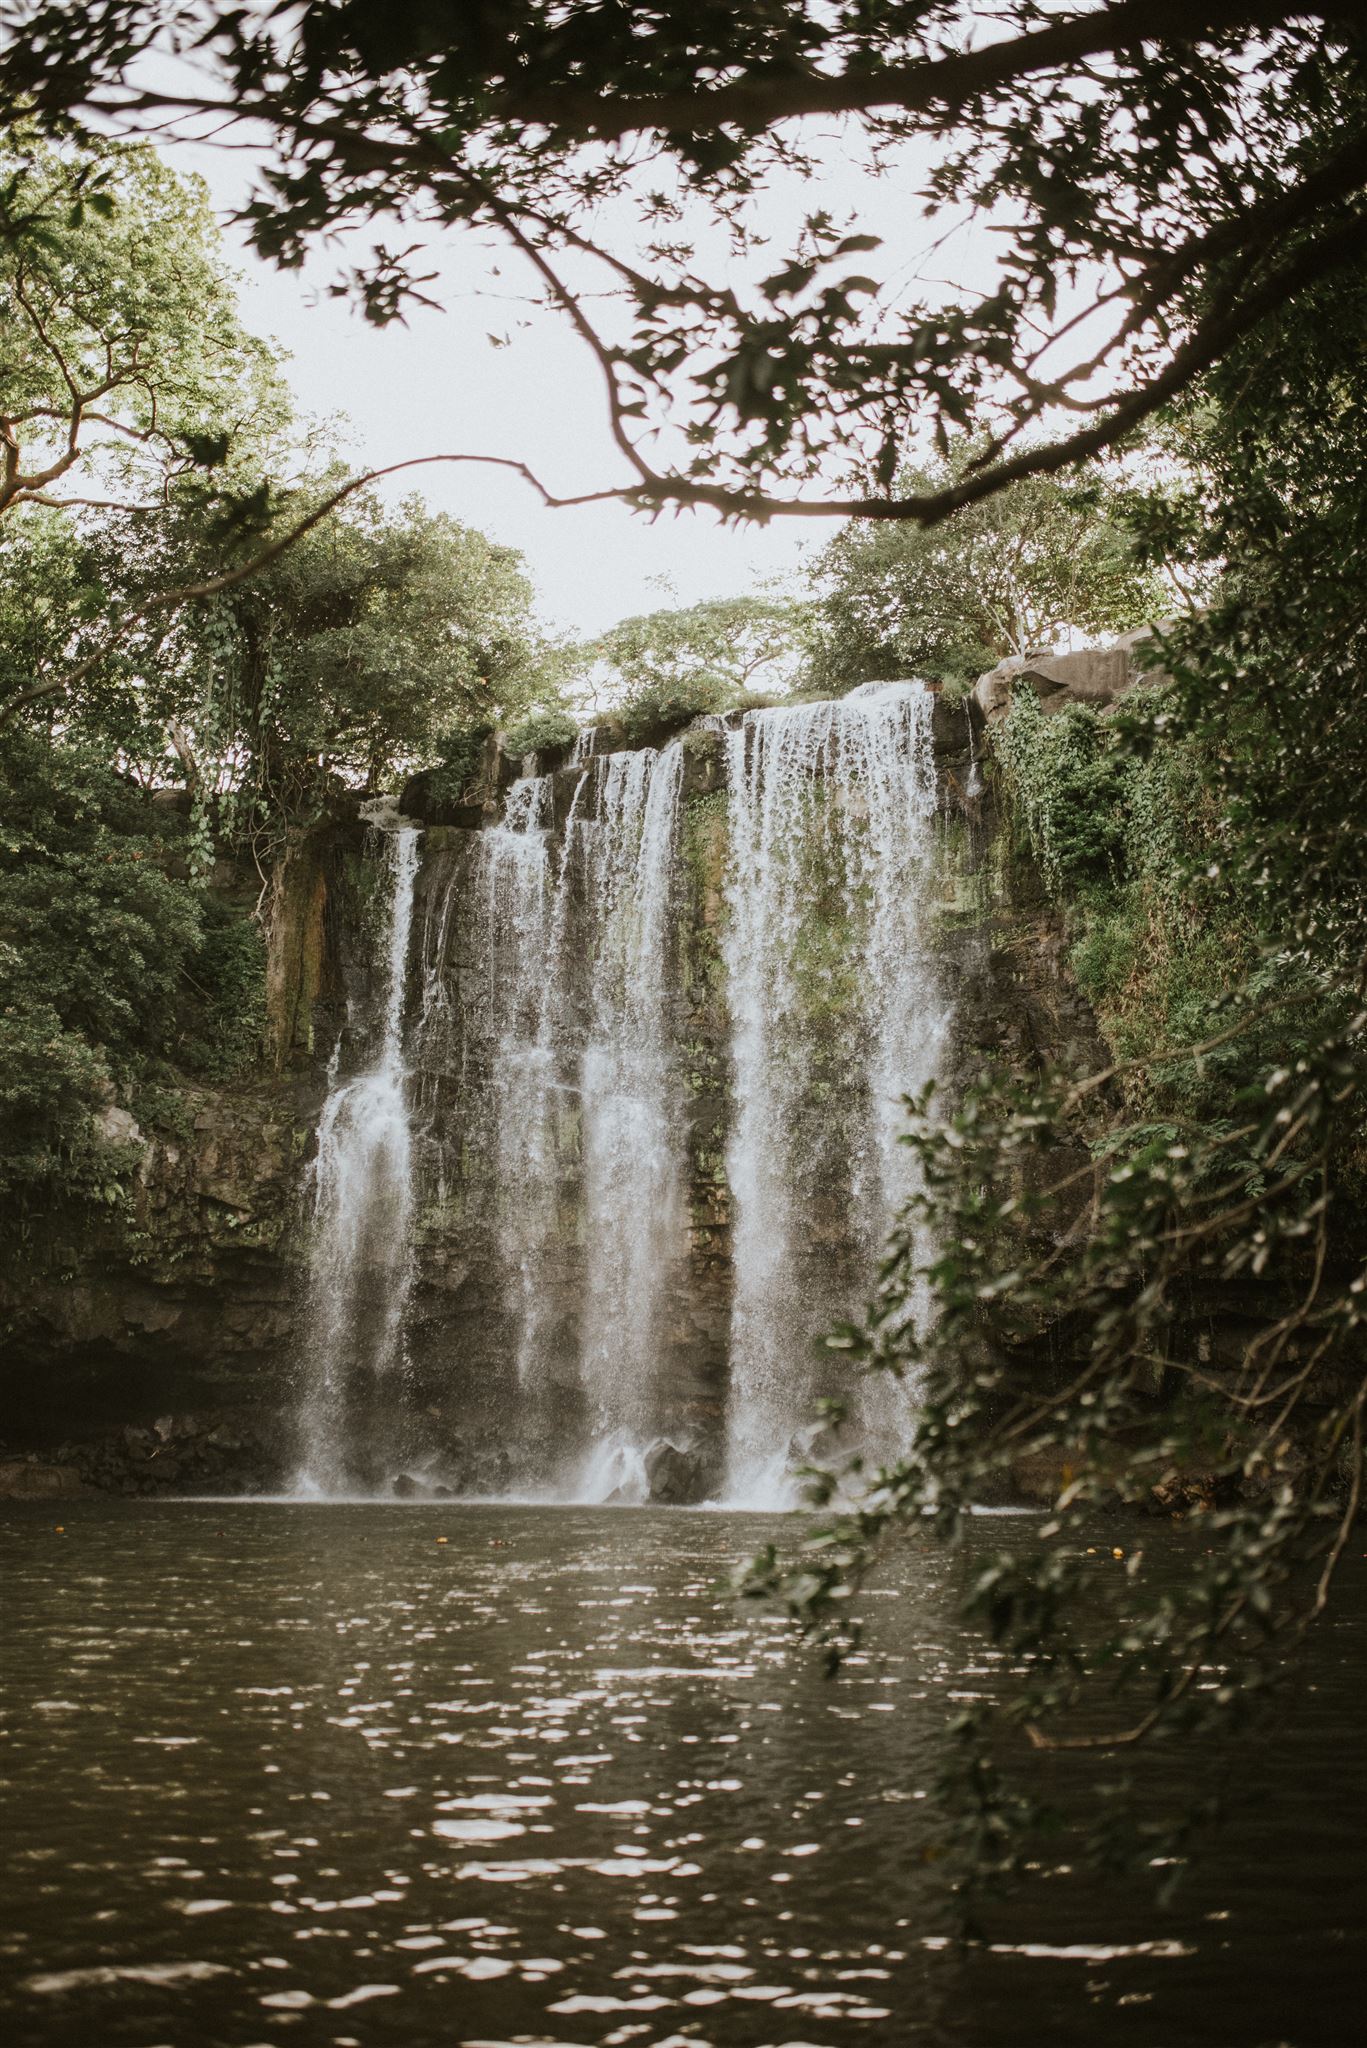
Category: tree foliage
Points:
column 1149, row 1281
column 668, row 666
column 1008, row 576
column 366, row 643
column 1166, row 179
column 126, row 368
column 94, row 935
column 158, row 714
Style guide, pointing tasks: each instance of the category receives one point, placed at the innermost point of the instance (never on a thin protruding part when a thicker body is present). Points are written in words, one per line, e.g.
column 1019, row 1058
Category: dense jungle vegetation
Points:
column 157, row 737
column 148, row 739
column 1198, row 177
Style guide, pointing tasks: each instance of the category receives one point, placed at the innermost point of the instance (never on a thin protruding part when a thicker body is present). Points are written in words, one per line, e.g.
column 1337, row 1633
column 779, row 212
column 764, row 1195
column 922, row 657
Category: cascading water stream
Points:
column 361, row 1259
column 836, row 1015
column 582, row 1109
column 594, row 1141
column 520, row 933
column 633, row 1157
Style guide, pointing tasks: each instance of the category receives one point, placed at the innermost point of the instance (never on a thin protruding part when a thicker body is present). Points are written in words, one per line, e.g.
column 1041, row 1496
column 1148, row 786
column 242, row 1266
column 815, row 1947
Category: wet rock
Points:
column 32, row 1479
column 117, row 1126
column 1182, row 1493
column 815, row 1443
column 183, row 1454
column 953, row 723
column 704, row 766
column 151, row 1316
column 673, row 1474
column 428, row 798
column 564, row 786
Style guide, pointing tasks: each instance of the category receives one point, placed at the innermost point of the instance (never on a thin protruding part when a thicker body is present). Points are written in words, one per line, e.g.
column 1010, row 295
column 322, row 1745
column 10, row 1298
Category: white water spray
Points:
column 361, row 1261
column 583, row 1098
column 633, row 1156
column 547, row 1110
column 520, row 929
column 836, row 1015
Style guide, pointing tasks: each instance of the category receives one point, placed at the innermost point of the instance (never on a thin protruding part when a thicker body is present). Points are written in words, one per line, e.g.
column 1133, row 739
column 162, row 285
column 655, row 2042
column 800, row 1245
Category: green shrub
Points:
column 541, row 732
column 1129, row 843
column 112, row 966
column 51, row 1083
column 1070, row 788
column 664, row 706
column 97, row 926
column 1104, row 957
column 228, row 973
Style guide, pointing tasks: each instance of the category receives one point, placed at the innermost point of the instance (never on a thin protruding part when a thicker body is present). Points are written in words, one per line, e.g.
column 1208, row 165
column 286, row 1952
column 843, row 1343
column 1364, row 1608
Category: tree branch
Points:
column 941, row 83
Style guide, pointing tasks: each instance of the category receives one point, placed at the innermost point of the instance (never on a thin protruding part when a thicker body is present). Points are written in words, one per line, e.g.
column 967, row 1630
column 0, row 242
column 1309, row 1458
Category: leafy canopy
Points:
column 375, row 636
column 665, row 667
column 1007, row 576
column 1148, row 1281
column 1164, row 179
column 360, row 639
column 94, row 935
column 131, row 662
column 126, row 368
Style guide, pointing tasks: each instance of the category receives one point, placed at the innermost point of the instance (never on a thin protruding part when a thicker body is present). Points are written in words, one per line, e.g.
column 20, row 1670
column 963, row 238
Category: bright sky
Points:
column 437, row 384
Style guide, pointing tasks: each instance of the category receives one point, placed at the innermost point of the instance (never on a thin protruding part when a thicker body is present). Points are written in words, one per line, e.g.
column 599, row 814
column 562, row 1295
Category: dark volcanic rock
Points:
column 427, row 798
column 673, row 1476
column 33, row 1479
column 185, row 1454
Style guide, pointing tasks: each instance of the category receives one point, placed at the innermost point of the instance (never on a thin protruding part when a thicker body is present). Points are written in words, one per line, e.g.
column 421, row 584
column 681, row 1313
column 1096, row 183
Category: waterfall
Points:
column 520, row 926
column 361, row 1256
column 582, row 1218
column 581, row 1110
column 835, row 1015
column 633, row 1158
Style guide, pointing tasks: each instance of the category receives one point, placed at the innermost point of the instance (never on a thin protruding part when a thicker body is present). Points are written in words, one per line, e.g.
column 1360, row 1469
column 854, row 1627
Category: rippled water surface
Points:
column 309, row 1774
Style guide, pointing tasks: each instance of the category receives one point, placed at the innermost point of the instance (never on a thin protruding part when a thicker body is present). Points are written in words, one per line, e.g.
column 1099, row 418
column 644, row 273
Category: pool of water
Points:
column 312, row 1774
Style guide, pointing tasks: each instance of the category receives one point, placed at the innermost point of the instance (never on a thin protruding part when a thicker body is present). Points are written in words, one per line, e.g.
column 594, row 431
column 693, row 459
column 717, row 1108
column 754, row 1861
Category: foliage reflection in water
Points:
column 314, row 1773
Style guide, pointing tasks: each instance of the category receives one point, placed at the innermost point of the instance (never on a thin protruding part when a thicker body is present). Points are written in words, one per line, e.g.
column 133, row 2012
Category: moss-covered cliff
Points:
column 166, row 1299
column 152, row 1340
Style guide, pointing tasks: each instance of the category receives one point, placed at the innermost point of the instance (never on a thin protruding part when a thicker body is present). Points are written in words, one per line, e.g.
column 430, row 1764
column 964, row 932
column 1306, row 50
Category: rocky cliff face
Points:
column 169, row 1316
column 153, row 1346
column 181, row 1299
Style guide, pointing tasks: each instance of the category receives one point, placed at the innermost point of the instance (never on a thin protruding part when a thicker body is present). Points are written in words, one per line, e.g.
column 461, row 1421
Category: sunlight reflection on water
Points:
column 544, row 1783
